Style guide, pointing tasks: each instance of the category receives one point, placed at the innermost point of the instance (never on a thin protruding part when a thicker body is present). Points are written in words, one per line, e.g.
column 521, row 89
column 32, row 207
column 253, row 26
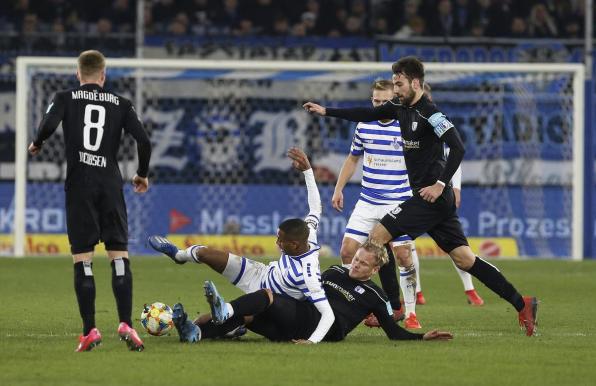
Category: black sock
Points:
column 84, row 285
column 211, row 330
column 122, row 288
column 251, row 304
column 388, row 276
column 494, row 279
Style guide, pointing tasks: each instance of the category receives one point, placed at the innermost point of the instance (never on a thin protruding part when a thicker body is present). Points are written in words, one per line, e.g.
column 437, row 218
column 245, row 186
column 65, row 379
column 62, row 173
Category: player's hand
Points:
column 337, row 201
column 299, row 159
column 33, row 150
column 314, row 108
column 141, row 184
column 457, row 193
column 437, row 335
column 302, row 341
column 431, row 193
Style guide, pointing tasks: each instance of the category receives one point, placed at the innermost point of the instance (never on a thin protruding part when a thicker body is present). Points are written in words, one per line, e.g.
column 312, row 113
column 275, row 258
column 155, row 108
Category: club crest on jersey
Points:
column 414, row 126
column 359, row 289
column 396, row 143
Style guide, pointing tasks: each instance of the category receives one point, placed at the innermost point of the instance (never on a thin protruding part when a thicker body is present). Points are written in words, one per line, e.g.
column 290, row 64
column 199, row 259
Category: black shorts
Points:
column 286, row 319
column 439, row 219
column 94, row 213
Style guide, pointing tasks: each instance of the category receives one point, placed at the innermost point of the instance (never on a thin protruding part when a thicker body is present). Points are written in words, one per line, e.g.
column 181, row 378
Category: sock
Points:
column 84, row 285
column 465, row 277
column 388, row 276
column 407, row 281
column 494, row 279
column 189, row 254
column 122, row 288
column 249, row 304
column 416, row 267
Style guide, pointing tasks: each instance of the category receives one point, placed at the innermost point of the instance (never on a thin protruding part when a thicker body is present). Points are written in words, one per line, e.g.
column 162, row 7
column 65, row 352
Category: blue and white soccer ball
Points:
column 157, row 318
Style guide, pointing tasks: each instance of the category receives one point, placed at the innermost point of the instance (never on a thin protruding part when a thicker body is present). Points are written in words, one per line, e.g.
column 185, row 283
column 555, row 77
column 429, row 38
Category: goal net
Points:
column 220, row 131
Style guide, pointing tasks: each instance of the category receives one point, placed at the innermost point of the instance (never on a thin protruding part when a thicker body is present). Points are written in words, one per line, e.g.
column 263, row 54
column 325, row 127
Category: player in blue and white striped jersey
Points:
column 296, row 274
column 385, row 185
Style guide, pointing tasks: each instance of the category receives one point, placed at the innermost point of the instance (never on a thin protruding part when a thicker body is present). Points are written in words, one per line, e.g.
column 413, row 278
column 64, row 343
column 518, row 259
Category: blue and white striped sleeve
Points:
column 316, row 294
column 357, row 148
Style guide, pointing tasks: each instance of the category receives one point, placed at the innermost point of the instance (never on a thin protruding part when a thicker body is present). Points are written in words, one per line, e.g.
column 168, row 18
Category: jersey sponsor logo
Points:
column 359, row 289
column 349, row 297
column 92, row 160
column 369, row 159
column 411, row 144
column 414, row 126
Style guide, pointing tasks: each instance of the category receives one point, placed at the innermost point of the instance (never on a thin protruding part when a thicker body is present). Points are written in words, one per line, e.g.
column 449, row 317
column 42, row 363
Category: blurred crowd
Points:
column 333, row 18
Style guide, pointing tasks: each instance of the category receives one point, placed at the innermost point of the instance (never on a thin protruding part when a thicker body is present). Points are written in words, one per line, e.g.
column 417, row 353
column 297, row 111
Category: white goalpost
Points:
column 523, row 125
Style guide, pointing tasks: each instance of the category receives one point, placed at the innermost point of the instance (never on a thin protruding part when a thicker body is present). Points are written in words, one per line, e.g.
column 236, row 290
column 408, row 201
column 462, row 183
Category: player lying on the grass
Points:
column 93, row 119
column 431, row 209
column 351, row 293
column 296, row 274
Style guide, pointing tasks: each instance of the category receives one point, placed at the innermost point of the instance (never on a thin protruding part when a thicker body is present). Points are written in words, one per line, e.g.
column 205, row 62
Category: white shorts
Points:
column 244, row 273
column 363, row 219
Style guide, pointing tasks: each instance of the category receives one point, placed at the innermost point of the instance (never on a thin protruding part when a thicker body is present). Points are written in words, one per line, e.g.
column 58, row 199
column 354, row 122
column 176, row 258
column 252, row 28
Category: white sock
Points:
column 407, row 282
column 189, row 254
column 230, row 310
column 465, row 277
column 417, row 267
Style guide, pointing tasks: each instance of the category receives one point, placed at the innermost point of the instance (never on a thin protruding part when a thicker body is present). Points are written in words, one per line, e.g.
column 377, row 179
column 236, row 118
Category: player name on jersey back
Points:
column 95, row 96
column 92, row 159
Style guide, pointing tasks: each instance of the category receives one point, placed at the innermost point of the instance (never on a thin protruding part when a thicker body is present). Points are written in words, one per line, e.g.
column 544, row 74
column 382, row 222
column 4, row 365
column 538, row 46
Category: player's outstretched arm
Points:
column 356, row 114
column 301, row 163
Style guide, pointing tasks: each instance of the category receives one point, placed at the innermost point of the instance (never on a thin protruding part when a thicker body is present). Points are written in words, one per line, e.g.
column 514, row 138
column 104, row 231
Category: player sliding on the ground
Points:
column 92, row 120
column 351, row 293
column 432, row 209
column 296, row 274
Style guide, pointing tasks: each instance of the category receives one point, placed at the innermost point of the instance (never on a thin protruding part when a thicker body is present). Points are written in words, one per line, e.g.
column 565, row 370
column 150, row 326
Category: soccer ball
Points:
column 157, row 318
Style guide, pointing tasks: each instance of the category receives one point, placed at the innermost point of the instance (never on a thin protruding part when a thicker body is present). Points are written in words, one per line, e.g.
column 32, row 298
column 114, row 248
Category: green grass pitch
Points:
column 40, row 325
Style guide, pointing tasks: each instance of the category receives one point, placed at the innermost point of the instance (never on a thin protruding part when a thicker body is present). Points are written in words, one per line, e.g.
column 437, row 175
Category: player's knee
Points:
column 380, row 235
column 347, row 254
column 463, row 257
column 403, row 255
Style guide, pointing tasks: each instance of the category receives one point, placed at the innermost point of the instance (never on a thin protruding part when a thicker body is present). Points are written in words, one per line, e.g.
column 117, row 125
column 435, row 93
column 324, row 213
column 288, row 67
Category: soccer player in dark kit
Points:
column 92, row 121
column 432, row 207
